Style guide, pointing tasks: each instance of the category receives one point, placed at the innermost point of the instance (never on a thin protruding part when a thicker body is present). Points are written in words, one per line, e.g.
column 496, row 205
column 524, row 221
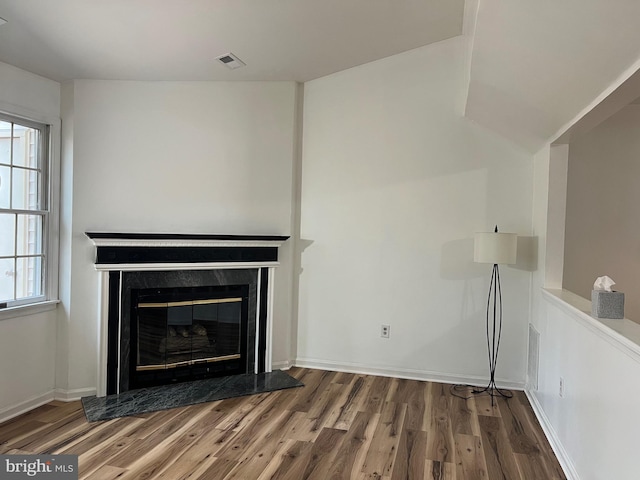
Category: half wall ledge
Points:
column 624, row 334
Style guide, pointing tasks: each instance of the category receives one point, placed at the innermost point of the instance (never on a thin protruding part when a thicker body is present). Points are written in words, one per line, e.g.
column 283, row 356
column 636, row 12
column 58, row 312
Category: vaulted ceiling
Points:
column 535, row 67
column 295, row 40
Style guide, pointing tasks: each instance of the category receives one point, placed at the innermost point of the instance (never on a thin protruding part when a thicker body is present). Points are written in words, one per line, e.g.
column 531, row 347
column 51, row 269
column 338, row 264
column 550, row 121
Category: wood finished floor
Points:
column 339, row 426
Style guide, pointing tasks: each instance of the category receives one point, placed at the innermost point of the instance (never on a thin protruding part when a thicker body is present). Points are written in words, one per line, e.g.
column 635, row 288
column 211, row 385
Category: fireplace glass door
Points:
column 181, row 339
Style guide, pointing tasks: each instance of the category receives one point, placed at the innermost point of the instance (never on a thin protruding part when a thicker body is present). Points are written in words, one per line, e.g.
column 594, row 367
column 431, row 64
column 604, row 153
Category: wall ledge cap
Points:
column 624, row 334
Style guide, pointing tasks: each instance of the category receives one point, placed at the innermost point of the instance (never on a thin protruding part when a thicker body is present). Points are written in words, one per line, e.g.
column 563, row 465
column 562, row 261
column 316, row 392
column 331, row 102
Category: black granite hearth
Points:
column 152, row 399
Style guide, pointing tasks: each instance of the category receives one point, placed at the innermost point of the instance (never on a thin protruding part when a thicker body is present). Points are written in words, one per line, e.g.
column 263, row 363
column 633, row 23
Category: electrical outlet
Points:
column 561, row 388
column 384, row 331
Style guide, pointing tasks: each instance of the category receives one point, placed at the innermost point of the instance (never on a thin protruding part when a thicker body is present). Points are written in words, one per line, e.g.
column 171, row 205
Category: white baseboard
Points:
column 409, row 374
column 562, row 455
column 34, row 402
column 23, row 407
column 286, row 365
column 73, row 395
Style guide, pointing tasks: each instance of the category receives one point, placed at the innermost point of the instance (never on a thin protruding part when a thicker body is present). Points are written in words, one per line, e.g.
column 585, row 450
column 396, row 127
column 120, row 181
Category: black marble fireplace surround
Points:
column 132, row 281
column 222, row 262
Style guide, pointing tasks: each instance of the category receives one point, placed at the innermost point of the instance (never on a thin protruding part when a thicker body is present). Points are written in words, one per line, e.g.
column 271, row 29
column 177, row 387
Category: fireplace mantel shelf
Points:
column 160, row 251
column 110, row 239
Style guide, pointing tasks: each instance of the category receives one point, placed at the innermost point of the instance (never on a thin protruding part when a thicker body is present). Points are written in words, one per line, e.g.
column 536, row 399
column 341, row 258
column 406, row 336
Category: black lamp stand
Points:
column 494, row 332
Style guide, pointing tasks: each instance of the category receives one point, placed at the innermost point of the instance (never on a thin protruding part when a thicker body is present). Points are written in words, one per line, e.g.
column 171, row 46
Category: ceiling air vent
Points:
column 230, row 61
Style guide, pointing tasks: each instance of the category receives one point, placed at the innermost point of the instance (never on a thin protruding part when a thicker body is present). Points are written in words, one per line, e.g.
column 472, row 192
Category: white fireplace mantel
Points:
column 129, row 252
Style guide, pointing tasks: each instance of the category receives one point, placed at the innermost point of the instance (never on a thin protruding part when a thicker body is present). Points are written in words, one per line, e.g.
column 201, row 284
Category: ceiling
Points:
column 296, row 40
column 538, row 66
column 533, row 67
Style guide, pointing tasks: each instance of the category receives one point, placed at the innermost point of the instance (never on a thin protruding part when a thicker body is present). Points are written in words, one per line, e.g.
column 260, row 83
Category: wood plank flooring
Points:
column 339, row 426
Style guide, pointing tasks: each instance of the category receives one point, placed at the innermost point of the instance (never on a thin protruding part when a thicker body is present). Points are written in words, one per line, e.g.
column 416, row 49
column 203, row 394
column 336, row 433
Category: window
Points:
column 24, row 211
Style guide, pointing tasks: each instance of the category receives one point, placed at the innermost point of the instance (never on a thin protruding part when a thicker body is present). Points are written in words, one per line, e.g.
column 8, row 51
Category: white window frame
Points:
column 51, row 240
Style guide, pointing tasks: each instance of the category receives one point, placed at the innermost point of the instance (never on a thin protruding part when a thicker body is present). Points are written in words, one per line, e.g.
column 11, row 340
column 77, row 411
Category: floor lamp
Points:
column 496, row 248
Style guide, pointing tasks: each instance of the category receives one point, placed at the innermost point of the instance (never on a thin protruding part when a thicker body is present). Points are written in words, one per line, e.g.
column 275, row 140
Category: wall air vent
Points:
column 230, row 61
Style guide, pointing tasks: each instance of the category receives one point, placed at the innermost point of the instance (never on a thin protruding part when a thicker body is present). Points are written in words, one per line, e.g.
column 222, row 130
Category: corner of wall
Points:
column 539, row 229
column 295, row 218
column 66, row 210
column 556, row 215
column 471, row 8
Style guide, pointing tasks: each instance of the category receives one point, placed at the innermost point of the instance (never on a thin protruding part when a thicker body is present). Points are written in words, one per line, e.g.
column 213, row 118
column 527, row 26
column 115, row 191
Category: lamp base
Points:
column 491, row 389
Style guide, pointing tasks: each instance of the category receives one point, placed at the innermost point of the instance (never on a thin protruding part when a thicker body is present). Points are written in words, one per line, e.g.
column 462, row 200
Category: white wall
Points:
column 27, row 343
column 602, row 198
column 181, row 157
column 26, row 94
column 394, row 184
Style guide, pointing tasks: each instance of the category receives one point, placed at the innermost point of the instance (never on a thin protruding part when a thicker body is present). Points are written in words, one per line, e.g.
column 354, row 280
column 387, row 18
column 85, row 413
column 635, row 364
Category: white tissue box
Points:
column 607, row 304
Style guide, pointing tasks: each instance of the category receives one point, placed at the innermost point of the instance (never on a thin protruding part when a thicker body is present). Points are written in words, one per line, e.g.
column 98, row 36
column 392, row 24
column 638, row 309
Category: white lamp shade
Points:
column 495, row 247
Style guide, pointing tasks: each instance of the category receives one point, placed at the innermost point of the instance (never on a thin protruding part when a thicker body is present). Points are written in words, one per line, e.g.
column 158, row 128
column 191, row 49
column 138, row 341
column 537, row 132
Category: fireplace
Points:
column 183, row 307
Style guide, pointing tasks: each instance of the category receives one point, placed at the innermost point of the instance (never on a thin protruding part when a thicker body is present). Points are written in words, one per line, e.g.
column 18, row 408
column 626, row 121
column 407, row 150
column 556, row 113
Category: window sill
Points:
column 31, row 309
column 623, row 334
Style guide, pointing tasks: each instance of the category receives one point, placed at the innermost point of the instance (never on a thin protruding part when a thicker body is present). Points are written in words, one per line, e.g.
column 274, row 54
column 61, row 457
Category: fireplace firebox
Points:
column 181, row 334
